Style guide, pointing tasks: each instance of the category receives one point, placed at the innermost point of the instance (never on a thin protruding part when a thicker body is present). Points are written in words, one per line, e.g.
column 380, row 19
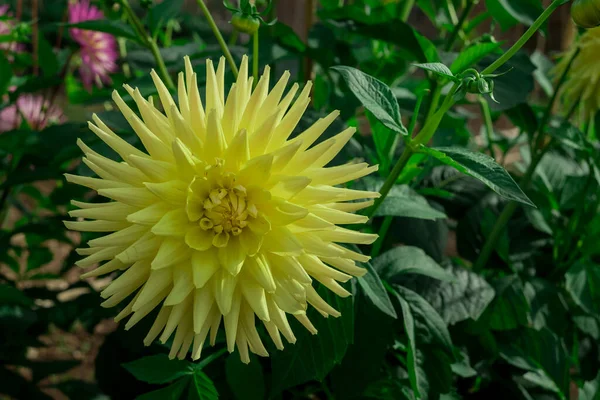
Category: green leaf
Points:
column 162, row 12
column 12, row 295
column 508, row 12
column 583, row 284
column 409, row 329
column 171, row 392
column 245, row 380
column 510, row 308
column 6, row 73
column 543, row 354
column 159, row 369
column 373, row 288
column 472, row 55
column 438, row 69
column 116, row 28
column 375, row 95
column 202, row 387
column 466, row 297
column 47, row 54
column 313, row 356
column 402, row 201
column 398, row 261
column 482, row 167
column 591, row 389
column 427, row 316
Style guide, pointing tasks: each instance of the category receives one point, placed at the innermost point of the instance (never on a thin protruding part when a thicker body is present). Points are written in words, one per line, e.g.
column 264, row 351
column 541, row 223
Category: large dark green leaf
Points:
column 467, row 296
column 12, row 295
column 543, row 354
column 116, row 28
column 202, row 387
column 510, row 308
column 375, row 292
column 402, row 201
column 472, row 55
column 375, row 95
column 482, row 167
column 590, row 390
column 509, row 12
column 159, row 369
column 409, row 329
column 583, row 283
column 313, row 356
column 245, row 380
column 398, row 261
column 426, row 316
column 171, row 392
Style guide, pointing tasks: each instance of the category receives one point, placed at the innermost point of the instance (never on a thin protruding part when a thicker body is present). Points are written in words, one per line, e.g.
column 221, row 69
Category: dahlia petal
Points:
column 178, row 313
column 183, row 284
column 291, row 119
column 250, row 242
column 127, row 235
column 107, row 268
column 343, row 235
column 203, row 304
column 315, row 245
column 224, row 286
column 158, row 325
column 291, row 267
column 238, row 152
column 184, row 131
column 173, row 223
column 96, row 226
column 256, row 99
column 337, row 216
column 215, row 138
column 137, row 274
column 204, row 265
column 171, row 251
column 232, row 257
column 317, row 269
column 272, row 100
column 231, row 321
column 313, row 223
column 310, row 135
column 94, row 183
column 321, row 305
column 340, row 174
column 102, row 254
column 149, row 215
column 158, row 171
column 345, row 265
column 303, row 319
column 112, row 212
column 254, row 294
column 279, row 318
column 137, row 197
column 144, row 247
column 281, row 241
column 214, row 100
column 173, row 192
column 260, row 270
column 199, row 239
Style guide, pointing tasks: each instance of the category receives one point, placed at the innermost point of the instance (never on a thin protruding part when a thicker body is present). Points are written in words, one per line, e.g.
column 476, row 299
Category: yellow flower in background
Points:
column 224, row 217
column 583, row 80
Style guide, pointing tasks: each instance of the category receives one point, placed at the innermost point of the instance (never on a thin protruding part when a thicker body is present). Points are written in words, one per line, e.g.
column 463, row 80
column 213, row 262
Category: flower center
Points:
column 227, row 210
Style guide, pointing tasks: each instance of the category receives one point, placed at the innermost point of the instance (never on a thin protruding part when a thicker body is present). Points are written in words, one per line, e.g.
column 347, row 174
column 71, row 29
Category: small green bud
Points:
column 245, row 23
column 586, row 13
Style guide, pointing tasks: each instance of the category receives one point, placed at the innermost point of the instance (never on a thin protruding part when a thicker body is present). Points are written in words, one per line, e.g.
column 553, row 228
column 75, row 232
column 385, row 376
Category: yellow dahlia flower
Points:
column 583, row 80
column 224, row 217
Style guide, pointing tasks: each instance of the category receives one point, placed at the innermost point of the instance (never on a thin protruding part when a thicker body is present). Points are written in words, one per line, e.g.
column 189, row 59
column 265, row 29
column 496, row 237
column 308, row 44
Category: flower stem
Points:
column 391, row 179
column 461, row 22
column 255, row 57
column 489, row 126
column 149, row 42
column 523, row 39
column 217, row 33
column 511, row 207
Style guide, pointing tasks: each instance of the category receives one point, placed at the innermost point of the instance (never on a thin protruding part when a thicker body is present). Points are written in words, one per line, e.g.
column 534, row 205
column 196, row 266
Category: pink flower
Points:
column 98, row 49
column 6, row 27
column 36, row 110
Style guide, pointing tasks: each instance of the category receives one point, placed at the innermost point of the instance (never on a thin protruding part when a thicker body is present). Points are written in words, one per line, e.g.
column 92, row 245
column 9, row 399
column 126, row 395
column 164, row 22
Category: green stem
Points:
column 149, row 42
column 234, row 37
column 162, row 68
column 391, row 179
column 406, row 9
column 461, row 22
column 385, row 226
column 489, row 126
column 255, row 57
column 217, row 33
column 433, row 122
column 523, row 39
